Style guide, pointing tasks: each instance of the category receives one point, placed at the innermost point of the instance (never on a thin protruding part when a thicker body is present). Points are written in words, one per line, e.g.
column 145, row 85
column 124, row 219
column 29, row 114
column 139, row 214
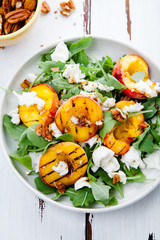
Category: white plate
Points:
column 100, row 47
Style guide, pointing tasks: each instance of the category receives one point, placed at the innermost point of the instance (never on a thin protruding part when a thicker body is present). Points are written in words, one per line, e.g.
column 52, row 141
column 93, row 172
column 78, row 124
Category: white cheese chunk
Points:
column 60, row 53
column 54, row 130
column 153, row 160
column 82, row 182
column 35, row 156
column 74, row 120
column 18, row 4
column 133, row 158
column 133, row 108
column 121, row 174
column 91, row 141
column 110, row 102
column 61, row 168
column 146, row 88
column 91, row 86
column 73, row 73
column 31, row 77
column 14, row 114
column 99, row 123
column 104, row 157
column 30, row 98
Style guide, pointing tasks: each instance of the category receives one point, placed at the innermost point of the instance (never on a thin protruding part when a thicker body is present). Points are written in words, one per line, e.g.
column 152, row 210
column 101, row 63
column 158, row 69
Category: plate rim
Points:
column 18, row 175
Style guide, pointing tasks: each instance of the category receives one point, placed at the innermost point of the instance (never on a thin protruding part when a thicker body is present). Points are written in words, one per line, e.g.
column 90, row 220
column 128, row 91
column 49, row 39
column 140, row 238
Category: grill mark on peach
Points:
column 73, row 104
column 61, row 119
column 74, row 151
column 56, row 180
column 77, row 158
column 47, row 163
column 48, row 174
column 81, row 166
column 122, row 149
column 76, row 129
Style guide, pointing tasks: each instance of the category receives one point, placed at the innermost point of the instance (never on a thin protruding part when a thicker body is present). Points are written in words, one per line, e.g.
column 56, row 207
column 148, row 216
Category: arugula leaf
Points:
column 47, row 65
column 104, row 176
column 100, row 96
column 82, row 44
column 70, row 192
column 42, row 187
column 155, row 135
column 140, row 138
column 81, row 58
column 83, row 197
column 72, row 92
column 147, row 144
column 134, row 175
column 66, row 137
column 150, row 105
column 112, row 201
column 21, row 157
column 47, row 56
column 107, row 64
column 137, row 76
column 108, row 123
column 15, row 131
column 60, row 82
column 36, row 140
column 91, row 177
column 100, row 192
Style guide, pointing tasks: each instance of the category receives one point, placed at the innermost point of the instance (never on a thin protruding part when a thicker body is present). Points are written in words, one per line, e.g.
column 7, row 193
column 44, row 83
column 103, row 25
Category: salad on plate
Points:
column 86, row 127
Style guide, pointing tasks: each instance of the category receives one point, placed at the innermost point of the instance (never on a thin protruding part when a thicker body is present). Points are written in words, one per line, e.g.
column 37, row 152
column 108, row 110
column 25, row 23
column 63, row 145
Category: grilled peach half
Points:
column 70, row 153
column 32, row 115
column 80, row 116
column 121, row 136
column 125, row 68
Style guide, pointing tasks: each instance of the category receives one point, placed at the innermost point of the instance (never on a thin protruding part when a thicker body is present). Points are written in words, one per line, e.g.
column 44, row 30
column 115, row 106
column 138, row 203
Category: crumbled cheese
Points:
column 35, row 156
column 110, row 102
column 121, row 174
column 82, row 182
column 18, row 4
column 133, row 158
column 91, row 86
column 31, row 77
column 61, row 168
column 60, row 53
column 145, row 87
column 153, row 160
column 99, row 123
column 73, row 73
column 29, row 98
column 54, row 130
column 133, row 108
column 74, row 120
column 14, row 114
column 104, row 157
column 91, row 141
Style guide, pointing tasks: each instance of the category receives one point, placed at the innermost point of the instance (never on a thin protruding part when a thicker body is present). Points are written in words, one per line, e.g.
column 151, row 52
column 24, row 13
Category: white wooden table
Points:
column 23, row 216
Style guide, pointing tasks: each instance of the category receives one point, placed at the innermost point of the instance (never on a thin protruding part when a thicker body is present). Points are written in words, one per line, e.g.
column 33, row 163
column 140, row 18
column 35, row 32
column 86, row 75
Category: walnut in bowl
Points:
column 16, row 18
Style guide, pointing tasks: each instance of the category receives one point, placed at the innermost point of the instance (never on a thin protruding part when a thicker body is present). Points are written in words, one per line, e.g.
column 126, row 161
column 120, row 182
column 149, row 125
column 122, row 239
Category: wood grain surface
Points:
column 23, row 216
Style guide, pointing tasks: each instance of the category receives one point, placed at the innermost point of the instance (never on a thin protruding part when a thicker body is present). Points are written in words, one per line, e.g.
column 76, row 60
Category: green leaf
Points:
column 81, row 58
column 137, row 76
column 155, row 135
column 100, row 96
column 47, row 56
column 36, row 140
column 90, row 176
column 113, row 82
column 149, row 105
column 109, row 181
column 70, row 192
column 83, row 197
column 82, row 44
column 15, row 131
column 42, row 187
column 46, row 66
column 134, row 175
column 21, row 157
column 108, row 123
column 107, row 64
column 100, row 192
column 66, row 137
column 60, row 82
column 112, row 201
column 72, row 92
column 147, row 144
column 140, row 138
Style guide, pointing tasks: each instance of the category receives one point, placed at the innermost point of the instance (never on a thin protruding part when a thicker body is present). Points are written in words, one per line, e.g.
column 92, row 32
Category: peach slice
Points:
column 80, row 116
column 32, row 115
column 125, row 68
column 71, row 154
column 120, row 137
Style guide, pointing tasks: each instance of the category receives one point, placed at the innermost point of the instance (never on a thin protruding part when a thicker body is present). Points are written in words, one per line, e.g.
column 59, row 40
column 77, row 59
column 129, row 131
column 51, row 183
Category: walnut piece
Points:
column 117, row 114
column 6, row 6
column 60, row 186
column 116, row 178
column 125, row 98
column 1, row 24
column 55, row 69
column 42, row 129
column 30, row 4
column 67, row 8
column 25, row 84
column 143, row 125
column 45, row 7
